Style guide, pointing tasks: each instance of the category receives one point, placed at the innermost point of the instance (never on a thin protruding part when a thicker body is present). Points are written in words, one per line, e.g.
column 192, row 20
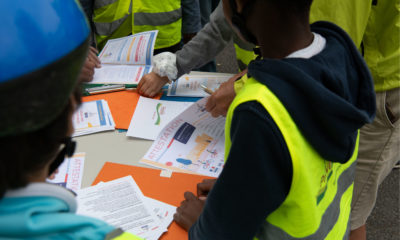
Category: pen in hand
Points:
column 206, row 89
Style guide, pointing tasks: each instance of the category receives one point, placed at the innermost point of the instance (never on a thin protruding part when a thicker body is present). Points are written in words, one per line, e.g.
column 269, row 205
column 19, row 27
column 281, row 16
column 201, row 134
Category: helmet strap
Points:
column 67, row 150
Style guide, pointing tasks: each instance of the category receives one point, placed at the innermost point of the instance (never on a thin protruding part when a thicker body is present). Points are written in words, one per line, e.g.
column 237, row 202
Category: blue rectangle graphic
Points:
column 184, row 133
column 101, row 113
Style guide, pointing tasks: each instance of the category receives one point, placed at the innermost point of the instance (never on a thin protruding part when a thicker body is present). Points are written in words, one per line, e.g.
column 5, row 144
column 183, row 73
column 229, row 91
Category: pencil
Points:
column 109, row 88
column 206, row 89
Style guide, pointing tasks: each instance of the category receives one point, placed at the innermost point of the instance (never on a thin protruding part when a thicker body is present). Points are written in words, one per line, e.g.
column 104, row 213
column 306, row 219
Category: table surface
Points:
column 114, row 146
column 111, row 146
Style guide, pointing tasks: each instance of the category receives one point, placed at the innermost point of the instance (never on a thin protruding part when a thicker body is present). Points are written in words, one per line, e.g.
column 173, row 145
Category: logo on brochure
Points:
column 160, row 110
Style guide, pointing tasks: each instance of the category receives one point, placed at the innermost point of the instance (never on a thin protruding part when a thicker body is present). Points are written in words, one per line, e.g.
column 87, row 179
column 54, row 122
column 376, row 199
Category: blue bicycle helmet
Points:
column 43, row 45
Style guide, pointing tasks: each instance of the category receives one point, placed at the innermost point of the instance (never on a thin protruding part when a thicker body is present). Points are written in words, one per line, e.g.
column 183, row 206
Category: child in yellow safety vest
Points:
column 291, row 133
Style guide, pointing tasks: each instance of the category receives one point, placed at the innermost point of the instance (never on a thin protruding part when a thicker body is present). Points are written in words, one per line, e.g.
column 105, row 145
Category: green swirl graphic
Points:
column 158, row 114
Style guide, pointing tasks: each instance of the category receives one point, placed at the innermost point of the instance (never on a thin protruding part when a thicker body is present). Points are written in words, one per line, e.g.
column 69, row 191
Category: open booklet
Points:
column 193, row 142
column 125, row 60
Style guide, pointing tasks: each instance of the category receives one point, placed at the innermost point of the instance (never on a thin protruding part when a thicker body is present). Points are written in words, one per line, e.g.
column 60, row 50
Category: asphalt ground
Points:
column 384, row 221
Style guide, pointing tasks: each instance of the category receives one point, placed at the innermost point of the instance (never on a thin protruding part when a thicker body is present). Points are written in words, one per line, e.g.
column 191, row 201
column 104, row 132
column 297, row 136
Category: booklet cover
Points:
column 92, row 117
column 151, row 115
column 125, row 60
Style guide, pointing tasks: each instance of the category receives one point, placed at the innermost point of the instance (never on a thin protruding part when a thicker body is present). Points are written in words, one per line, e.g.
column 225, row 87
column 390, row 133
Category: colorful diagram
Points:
column 199, row 156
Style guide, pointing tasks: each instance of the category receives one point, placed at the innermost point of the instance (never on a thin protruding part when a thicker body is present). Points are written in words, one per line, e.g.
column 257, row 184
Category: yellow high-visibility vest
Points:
column 374, row 26
column 318, row 203
column 119, row 18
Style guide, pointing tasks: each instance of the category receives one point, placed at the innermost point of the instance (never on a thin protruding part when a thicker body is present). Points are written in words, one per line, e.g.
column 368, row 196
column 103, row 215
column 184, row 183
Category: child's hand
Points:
column 92, row 56
column 189, row 211
column 91, row 62
column 219, row 102
column 204, row 188
column 151, row 84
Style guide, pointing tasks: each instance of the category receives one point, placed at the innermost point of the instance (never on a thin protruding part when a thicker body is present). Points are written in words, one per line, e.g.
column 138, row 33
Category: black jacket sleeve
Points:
column 254, row 182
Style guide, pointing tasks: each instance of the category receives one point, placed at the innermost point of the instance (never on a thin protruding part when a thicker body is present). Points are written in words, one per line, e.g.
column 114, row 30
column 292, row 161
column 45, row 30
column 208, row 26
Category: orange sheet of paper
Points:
column 122, row 105
column 168, row 190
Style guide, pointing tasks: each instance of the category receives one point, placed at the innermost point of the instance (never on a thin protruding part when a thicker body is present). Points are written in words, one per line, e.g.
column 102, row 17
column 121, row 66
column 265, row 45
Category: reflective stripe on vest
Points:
column 112, row 19
column 157, row 19
column 162, row 15
column 109, row 28
column 102, row 3
column 345, row 186
column 152, row 19
column 318, row 203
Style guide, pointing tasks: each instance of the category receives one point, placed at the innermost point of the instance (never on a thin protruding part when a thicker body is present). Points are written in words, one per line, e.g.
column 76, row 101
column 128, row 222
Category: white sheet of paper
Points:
column 151, row 115
column 70, row 172
column 119, row 203
column 165, row 214
column 192, row 142
column 119, row 74
column 91, row 117
column 189, row 84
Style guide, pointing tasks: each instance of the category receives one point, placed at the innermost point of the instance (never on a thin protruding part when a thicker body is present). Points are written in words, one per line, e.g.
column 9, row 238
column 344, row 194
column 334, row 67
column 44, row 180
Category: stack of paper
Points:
column 69, row 173
column 152, row 115
column 154, row 184
column 122, row 204
column 93, row 117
